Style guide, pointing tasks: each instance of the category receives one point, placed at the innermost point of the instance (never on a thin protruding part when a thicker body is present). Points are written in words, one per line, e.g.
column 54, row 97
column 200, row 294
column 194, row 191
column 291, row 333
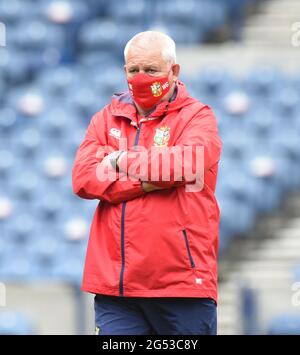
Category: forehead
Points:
column 145, row 56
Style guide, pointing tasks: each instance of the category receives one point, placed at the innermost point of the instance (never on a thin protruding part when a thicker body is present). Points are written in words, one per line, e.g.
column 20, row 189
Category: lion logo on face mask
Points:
column 156, row 89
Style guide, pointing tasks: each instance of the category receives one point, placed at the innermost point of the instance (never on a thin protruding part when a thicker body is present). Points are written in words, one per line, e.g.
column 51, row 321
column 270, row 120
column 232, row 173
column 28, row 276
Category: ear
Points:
column 125, row 69
column 176, row 71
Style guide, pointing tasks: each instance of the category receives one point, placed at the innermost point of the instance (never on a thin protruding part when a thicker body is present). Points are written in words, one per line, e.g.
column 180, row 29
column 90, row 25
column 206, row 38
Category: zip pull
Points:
column 137, row 137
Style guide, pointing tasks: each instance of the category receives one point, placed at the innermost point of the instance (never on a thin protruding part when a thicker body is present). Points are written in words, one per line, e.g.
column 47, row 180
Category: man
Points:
column 152, row 253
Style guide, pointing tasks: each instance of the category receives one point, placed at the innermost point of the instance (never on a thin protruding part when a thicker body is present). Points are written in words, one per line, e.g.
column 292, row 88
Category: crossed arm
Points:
column 92, row 157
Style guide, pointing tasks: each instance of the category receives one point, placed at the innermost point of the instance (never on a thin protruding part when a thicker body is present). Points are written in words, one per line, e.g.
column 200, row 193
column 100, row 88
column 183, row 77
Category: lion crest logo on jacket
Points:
column 162, row 136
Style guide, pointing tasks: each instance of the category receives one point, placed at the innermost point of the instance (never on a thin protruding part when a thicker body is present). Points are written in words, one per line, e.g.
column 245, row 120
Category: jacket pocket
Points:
column 188, row 248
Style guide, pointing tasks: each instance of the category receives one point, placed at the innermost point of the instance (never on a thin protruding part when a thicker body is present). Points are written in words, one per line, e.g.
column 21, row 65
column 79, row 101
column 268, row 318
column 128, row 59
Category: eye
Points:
column 151, row 71
column 133, row 70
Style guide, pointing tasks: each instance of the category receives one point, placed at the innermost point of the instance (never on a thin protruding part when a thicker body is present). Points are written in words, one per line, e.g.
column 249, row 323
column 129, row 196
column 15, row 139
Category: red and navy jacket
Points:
column 158, row 244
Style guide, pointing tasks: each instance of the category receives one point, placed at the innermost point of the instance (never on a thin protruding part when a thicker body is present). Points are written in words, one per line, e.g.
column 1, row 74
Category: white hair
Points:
column 146, row 39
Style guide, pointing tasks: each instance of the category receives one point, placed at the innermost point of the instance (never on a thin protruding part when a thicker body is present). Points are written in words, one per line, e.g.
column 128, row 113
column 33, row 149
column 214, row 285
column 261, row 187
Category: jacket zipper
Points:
column 121, row 284
column 188, row 248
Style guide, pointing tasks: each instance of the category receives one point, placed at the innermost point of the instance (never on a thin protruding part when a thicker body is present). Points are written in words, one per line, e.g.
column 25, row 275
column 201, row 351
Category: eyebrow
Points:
column 147, row 66
column 152, row 66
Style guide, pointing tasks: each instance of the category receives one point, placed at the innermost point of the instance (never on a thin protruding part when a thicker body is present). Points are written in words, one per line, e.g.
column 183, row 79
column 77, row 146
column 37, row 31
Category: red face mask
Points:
column 147, row 91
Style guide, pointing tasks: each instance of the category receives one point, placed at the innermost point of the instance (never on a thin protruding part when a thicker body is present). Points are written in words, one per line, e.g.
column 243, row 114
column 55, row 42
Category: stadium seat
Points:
column 23, row 227
column 91, row 61
column 7, row 160
column 263, row 82
column 130, row 11
column 26, row 185
column 49, row 206
column 6, row 207
column 230, row 207
column 7, row 120
column 212, row 83
column 99, row 35
column 14, row 66
column 57, row 81
column 13, row 11
column 18, row 267
column 287, row 102
column 44, row 250
column 109, row 82
column 68, row 268
column 285, row 324
column 15, row 323
column 37, row 35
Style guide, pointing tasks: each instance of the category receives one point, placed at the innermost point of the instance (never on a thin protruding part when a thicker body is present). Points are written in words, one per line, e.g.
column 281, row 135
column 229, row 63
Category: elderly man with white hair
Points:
column 151, row 157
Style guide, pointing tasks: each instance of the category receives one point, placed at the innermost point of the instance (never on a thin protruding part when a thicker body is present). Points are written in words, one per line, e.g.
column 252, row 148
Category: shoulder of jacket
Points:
column 199, row 109
column 101, row 115
column 204, row 115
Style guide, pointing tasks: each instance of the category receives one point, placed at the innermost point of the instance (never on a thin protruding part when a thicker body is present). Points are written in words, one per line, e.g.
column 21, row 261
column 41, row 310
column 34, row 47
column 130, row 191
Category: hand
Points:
column 106, row 164
column 119, row 159
column 149, row 187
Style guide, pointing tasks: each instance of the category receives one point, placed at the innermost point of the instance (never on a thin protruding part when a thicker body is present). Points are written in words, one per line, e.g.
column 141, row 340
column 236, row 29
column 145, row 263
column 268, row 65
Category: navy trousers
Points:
column 155, row 316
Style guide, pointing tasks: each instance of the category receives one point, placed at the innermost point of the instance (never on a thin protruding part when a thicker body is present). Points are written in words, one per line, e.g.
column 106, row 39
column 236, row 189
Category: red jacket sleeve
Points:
column 85, row 181
column 198, row 145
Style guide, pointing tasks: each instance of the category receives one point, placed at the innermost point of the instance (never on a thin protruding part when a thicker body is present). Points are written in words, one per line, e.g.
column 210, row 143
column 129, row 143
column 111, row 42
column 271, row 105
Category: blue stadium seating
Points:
column 15, row 323
column 63, row 62
column 15, row 67
column 285, row 324
column 47, row 101
column 136, row 12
